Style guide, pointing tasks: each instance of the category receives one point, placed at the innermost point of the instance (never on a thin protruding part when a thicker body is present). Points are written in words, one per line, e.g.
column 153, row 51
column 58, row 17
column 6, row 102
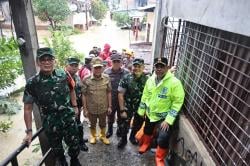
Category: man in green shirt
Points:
column 72, row 66
column 129, row 94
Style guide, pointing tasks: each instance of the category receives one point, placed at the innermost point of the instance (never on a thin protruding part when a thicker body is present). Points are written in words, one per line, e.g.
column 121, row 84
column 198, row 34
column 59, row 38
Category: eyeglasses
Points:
column 46, row 59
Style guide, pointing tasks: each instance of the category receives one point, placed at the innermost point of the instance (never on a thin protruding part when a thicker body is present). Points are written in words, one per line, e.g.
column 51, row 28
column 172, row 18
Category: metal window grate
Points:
column 214, row 66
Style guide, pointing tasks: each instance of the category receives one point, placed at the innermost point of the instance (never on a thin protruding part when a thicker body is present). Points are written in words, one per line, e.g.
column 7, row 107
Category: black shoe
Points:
column 109, row 134
column 74, row 162
column 61, row 161
column 122, row 143
column 83, row 147
column 85, row 140
column 133, row 140
column 110, row 131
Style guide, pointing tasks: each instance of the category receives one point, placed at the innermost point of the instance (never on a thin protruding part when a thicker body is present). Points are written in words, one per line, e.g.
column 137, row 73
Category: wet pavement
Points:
column 109, row 155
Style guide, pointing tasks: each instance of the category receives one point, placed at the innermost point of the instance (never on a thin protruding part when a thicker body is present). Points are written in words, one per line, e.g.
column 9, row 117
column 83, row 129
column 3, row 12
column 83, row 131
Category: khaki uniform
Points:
column 95, row 90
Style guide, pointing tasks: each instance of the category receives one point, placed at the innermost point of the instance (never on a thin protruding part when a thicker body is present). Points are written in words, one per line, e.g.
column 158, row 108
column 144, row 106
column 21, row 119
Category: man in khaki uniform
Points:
column 97, row 99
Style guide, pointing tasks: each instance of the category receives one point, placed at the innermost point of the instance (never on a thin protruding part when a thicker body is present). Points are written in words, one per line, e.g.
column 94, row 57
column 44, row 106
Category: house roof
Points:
column 148, row 8
column 136, row 14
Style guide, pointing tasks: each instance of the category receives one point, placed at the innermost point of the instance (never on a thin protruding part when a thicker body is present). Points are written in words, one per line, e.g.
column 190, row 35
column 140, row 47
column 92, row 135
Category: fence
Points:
column 214, row 67
column 12, row 158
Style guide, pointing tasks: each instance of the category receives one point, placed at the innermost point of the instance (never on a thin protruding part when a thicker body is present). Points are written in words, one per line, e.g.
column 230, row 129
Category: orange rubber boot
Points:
column 160, row 155
column 146, row 141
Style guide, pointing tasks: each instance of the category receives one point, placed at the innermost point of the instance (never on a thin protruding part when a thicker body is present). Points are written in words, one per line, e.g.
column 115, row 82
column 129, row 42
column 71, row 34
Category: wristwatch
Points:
column 28, row 131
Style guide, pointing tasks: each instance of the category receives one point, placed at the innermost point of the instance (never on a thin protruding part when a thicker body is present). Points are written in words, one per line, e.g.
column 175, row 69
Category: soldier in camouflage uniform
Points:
column 129, row 93
column 72, row 67
column 53, row 92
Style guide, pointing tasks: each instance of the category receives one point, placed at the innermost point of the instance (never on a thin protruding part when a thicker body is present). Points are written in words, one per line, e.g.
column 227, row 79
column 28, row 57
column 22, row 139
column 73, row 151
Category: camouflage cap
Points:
column 138, row 61
column 96, row 62
column 45, row 51
column 72, row 60
column 161, row 60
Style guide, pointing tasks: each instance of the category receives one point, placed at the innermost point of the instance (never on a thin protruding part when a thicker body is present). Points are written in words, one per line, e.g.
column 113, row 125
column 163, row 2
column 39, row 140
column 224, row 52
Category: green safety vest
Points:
column 162, row 101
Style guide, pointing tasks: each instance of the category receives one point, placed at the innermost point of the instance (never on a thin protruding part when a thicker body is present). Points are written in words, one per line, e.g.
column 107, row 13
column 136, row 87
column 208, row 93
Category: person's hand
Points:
column 85, row 112
column 124, row 114
column 173, row 69
column 164, row 126
column 109, row 110
column 28, row 138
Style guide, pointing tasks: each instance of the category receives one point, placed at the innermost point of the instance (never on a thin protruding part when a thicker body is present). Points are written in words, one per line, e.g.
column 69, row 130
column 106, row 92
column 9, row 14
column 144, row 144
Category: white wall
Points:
column 193, row 143
column 150, row 20
column 229, row 15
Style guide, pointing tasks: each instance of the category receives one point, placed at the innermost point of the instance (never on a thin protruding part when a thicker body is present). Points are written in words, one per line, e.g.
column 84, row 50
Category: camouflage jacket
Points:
column 133, row 88
column 50, row 93
column 78, row 89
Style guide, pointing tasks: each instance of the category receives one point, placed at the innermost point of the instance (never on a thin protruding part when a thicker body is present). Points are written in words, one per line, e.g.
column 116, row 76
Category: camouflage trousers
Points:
column 57, row 130
column 125, row 123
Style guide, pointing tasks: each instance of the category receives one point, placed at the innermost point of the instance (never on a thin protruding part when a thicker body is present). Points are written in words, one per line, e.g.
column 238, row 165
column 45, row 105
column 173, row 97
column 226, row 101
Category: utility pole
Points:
column 22, row 14
column 158, row 30
column 86, row 13
column 1, row 20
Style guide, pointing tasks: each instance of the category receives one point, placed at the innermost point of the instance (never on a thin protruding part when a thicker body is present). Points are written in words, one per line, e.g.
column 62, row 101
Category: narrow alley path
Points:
column 100, row 154
column 109, row 155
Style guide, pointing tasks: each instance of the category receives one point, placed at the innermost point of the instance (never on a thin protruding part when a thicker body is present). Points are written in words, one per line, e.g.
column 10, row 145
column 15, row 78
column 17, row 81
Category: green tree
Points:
column 63, row 47
column 54, row 11
column 98, row 9
column 10, row 62
column 122, row 19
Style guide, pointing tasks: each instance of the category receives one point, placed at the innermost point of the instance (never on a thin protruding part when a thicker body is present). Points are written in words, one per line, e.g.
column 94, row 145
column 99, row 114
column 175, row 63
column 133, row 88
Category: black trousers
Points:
column 162, row 137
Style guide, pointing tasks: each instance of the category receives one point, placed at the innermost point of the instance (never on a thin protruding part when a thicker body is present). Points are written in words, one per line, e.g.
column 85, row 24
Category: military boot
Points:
column 118, row 132
column 74, row 162
column 132, row 138
column 123, row 142
column 85, row 140
column 110, row 130
column 83, row 146
column 61, row 161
